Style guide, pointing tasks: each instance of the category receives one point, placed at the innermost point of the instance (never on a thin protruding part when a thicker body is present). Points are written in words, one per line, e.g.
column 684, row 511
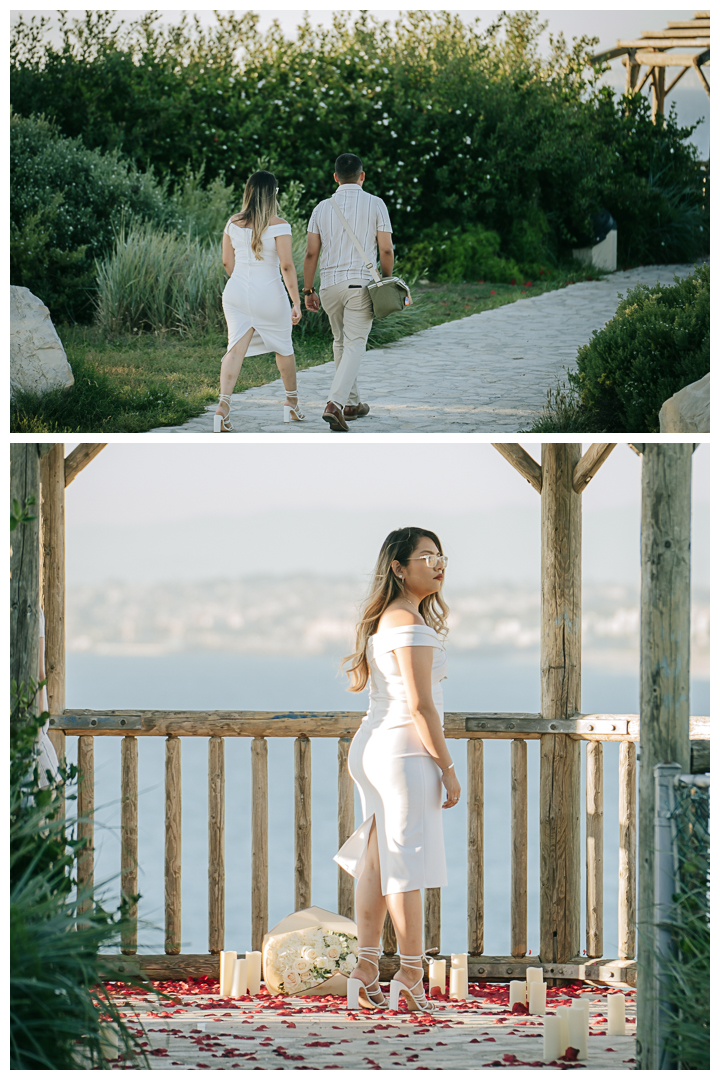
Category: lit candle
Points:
column 534, row 974
column 536, row 997
column 518, row 992
column 578, row 1024
column 239, row 979
column 551, row 1037
column 564, row 1034
column 437, row 976
column 227, row 962
column 616, row 1014
column 458, row 976
column 253, row 972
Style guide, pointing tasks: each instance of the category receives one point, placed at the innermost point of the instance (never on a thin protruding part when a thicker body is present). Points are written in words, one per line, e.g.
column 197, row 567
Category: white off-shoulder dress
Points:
column 255, row 296
column 399, row 783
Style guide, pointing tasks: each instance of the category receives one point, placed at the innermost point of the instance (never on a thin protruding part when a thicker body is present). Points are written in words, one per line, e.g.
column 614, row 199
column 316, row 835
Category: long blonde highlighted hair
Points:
column 259, row 206
column 385, row 588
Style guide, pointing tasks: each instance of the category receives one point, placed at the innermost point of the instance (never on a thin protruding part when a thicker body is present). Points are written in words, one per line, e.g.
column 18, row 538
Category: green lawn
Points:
column 134, row 383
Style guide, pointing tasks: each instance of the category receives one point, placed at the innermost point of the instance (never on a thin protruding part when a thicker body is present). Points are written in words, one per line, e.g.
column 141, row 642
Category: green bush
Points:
column 455, row 123
column 657, row 342
column 454, row 255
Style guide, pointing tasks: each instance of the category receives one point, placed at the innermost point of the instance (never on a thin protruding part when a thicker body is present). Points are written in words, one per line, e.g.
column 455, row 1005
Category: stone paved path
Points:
column 207, row 1032
column 486, row 373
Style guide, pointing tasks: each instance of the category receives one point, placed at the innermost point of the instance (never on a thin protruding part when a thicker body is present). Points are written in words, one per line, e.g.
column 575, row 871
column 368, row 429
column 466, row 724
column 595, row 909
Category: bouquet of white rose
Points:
column 310, row 952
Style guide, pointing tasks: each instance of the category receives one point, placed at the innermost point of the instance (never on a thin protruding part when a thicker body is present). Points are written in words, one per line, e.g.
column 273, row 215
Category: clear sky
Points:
column 607, row 24
column 160, row 511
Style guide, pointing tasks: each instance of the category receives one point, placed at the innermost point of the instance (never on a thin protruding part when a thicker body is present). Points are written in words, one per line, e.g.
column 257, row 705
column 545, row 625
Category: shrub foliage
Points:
column 461, row 128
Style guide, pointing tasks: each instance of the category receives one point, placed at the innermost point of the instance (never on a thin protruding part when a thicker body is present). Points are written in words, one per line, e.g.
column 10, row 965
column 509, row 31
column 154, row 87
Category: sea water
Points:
column 476, row 683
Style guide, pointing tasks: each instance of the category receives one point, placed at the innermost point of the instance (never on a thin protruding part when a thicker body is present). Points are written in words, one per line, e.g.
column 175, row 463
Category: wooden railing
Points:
column 561, row 740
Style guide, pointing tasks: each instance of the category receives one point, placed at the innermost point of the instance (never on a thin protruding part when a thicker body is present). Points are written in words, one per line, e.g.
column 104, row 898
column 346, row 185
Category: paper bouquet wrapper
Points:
column 309, row 919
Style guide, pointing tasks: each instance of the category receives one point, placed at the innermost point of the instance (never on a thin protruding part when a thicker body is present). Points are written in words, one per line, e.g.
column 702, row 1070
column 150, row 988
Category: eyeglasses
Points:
column 433, row 561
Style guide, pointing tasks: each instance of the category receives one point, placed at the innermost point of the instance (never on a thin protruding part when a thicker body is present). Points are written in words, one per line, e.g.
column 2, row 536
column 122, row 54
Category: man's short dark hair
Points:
column 348, row 168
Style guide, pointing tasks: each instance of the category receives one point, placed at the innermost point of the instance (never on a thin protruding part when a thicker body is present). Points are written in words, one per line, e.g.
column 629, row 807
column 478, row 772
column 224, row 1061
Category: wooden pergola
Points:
column 664, row 729
column 654, row 50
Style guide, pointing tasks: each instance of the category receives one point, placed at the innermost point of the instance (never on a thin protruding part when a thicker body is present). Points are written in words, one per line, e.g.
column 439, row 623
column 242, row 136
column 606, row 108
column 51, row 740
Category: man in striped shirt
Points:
column 344, row 278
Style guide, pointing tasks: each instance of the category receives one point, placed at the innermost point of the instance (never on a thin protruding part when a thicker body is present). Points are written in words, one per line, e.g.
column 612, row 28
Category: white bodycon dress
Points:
column 399, row 783
column 255, row 295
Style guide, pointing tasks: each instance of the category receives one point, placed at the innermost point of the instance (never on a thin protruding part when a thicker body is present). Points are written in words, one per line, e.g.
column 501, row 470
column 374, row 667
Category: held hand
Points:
column 296, row 315
column 312, row 302
column 452, row 787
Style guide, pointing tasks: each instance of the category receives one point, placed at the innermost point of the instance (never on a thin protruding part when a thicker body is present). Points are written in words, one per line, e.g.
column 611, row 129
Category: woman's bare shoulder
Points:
column 399, row 616
column 278, row 221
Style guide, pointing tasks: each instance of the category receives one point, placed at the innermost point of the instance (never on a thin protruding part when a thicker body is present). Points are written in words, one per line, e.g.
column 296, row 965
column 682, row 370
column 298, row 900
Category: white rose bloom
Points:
column 302, row 965
column 333, row 952
column 330, row 965
column 310, row 953
column 291, row 980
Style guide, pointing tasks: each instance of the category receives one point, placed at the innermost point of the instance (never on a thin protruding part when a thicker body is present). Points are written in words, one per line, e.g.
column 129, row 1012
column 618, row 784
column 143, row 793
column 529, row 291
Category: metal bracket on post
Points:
column 665, row 876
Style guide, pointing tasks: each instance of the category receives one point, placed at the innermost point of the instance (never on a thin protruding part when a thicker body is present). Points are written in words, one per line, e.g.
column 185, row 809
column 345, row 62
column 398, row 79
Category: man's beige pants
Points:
column 350, row 313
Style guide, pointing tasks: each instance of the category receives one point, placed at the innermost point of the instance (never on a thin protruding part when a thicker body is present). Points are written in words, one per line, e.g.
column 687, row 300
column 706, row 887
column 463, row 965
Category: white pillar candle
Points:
column 458, row 976
column 536, row 997
column 534, row 974
column 518, row 992
column 616, row 1014
column 563, row 1032
column 578, row 1030
column 437, row 975
column 551, row 1037
column 239, row 979
column 227, row 962
column 253, row 972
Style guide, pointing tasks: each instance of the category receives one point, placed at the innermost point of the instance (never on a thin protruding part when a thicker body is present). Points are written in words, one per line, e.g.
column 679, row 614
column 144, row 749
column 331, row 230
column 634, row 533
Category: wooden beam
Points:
column 518, row 848
column 346, row 827
column 431, row 930
column 86, row 823
column 216, row 844
column 677, row 79
column 609, row 54
column 526, row 465
column 594, row 850
column 684, row 34
column 303, row 823
column 702, row 19
column 259, row 857
column 389, row 938
column 344, row 724
column 590, row 463
column 663, row 60
column 475, row 847
column 173, row 845
column 497, row 968
column 697, row 61
column 52, row 541
column 78, row 458
column 664, row 683
column 25, row 565
column 659, row 42
column 129, row 838
column 627, row 856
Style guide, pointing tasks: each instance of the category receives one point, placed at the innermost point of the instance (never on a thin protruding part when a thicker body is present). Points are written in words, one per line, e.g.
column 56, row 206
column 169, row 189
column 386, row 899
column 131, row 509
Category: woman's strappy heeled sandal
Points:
column 416, row 1002
column 220, row 422
column 360, row 995
column 292, row 412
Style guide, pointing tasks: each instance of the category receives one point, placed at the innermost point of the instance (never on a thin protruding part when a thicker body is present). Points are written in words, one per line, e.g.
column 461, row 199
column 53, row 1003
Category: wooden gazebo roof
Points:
column 653, row 49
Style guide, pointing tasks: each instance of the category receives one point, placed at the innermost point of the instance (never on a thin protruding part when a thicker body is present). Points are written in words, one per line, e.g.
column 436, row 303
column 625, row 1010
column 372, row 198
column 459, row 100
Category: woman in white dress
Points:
column 400, row 762
column 257, row 255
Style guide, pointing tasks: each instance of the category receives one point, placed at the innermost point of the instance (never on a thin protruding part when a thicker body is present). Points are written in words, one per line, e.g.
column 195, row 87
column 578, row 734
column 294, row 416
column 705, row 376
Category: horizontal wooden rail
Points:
column 337, row 725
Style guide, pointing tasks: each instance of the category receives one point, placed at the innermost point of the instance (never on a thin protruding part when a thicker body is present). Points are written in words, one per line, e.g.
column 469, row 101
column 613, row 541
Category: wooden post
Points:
column 173, row 845
column 627, row 858
column 303, row 824
column 475, row 845
column 632, row 70
column 431, row 904
column 561, row 614
column 216, row 844
column 259, row 899
column 52, row 531
column 129, row 837
column 389, row 937
column 24, row 566
column 85, row 809
column 664, row 681
column 346, row 827
column 518, row 848
column 658, row 101
column 594, row 849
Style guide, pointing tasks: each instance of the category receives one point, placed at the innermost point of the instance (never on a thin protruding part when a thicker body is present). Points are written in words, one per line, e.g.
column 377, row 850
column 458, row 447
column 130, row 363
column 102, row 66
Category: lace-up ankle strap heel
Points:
column 364, row 996
column 292, row 412
column 414, row 995
column 220, row 422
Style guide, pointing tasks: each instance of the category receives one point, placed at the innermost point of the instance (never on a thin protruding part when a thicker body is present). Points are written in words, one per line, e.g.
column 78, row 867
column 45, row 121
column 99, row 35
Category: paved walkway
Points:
column 486, row 373
column 206, row 1032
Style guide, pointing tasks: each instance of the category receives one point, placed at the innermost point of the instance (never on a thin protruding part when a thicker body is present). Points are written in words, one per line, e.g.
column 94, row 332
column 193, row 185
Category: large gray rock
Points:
column 688, row 411
column 37, row 359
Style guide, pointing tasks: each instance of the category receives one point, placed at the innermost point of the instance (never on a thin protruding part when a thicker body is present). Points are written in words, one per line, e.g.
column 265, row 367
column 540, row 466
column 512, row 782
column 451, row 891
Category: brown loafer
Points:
column 334, row 417
column 351, row 412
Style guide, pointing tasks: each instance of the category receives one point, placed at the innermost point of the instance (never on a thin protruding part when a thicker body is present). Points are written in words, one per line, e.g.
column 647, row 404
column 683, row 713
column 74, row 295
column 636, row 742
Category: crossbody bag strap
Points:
column 370, row 265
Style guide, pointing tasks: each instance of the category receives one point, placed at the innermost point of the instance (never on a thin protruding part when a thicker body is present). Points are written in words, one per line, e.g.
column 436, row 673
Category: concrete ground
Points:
column 486, row 373
column 203, row 1031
